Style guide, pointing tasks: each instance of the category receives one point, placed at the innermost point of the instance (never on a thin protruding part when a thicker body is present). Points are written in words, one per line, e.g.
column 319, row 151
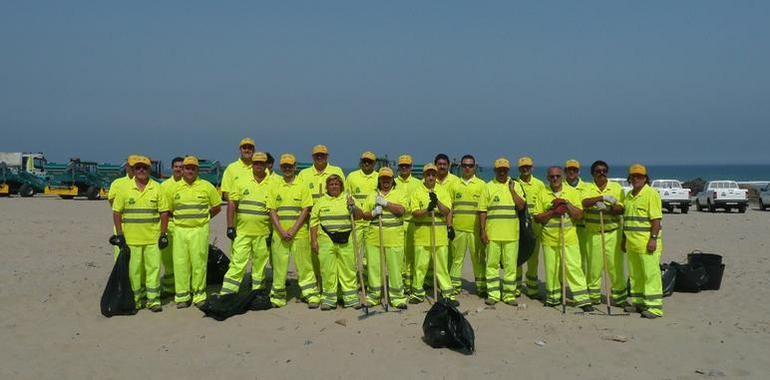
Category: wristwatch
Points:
column 655, row 237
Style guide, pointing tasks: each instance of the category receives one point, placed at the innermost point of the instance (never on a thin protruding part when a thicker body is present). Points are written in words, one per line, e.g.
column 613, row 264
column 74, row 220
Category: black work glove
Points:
column 163, row 241
column 231, row 233
column 433, row 197
column 118, row 240
column 450, row 232
column 432, row 205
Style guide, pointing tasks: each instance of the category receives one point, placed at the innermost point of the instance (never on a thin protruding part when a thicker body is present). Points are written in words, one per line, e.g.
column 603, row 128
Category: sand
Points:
column 56, row 260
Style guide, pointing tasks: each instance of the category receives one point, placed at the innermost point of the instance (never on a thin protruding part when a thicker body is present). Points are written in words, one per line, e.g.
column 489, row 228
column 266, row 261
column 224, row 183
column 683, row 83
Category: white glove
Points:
column 609, row 199
column 381, row 201
column 377, row 211
column 601, row 206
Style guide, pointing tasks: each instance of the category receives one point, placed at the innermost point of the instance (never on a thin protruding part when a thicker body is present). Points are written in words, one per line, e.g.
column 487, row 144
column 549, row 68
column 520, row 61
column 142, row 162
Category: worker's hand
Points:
column 561, row 209
column 450, row 232
column 484, row 237
column 118, row 240
column 314, row 246
column 433, row 197
column 285, row 235
column 231, row 233
column 609, row 199
column 652, row 244
column 351, row 203
column 163, row 241
column 381, row 201
column 432, row 204
column 601, row 206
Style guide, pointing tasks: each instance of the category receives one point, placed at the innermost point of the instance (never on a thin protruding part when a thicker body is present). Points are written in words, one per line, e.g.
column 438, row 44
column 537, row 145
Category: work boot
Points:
column 587, row 308
column 415, row 300
column 454, row 303
column 512, row 302
column 156, row 308
column 312, row 305
column 326, row 307
column 358, row 306
column 647, row 314
column 481, row 293
column 401, row 306
column 490, row 301
column 630, row 309
column 183, row 305
column 200, row 304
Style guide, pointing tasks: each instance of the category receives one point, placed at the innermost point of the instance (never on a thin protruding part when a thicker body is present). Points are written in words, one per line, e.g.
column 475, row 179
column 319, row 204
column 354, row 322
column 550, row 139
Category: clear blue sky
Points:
column 652, row 81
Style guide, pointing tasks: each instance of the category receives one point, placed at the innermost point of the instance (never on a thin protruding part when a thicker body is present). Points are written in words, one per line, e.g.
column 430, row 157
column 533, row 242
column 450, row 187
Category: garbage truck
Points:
column 75, row 179
column 22, row 173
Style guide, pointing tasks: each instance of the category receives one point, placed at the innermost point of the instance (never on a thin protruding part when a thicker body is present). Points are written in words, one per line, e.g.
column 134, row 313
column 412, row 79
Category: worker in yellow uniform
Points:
column 643, row 243
column 239, row 169
column 385, row 206
column 408, row 184
column 193, row 204
column 605, row 197
column 444, row 178
column 558, row 208
column 119, row 184
column 289, row 203
column 531, row 187
column 572, row 177
column 330, row 230
column 431, row 208
column 465, row 222
column 167, row 254
column 315, row 176
column 500, row 233
column 140, row 217
column 361, row 183
column 250, row 230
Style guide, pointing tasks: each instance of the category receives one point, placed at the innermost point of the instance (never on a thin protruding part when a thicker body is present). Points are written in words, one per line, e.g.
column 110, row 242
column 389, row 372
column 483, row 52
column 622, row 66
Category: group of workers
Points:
column 382, row 233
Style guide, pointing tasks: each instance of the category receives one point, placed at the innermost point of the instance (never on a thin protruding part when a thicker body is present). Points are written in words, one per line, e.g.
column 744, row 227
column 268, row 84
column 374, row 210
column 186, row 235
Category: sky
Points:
column 659, row 82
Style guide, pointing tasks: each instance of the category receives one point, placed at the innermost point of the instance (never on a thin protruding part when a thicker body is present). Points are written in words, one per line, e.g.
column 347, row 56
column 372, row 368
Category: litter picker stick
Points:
column 383, row 272
column 607, row 280
column 563, row 266
column 359, row 265
column 433, row 253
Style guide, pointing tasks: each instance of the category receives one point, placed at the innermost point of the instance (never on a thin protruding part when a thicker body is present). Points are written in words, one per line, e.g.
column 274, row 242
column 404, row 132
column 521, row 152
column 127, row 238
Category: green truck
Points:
column 16, row 181
column 77, row 179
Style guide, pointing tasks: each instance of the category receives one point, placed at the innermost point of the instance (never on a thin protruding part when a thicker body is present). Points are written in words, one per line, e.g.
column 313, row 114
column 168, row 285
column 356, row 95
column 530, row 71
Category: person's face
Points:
column 573, row 174
column 141, row 171
column 258, row 167
column 637, row 181
column 247, row 151
column 405, row 170
column 320, row 159
column 334, row 187
column 190, row 172
column 367, row 165
column 288, row 170
column 501, row 174
column 600, row 174
column 176, row 169
column 443, row 167
column 430, row 178
column 525, row 171
column 386, row 183
column 555, row 178
column 469, row 167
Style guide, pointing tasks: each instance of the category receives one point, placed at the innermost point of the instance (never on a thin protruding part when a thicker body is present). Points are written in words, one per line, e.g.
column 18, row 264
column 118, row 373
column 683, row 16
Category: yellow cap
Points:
column 526, row 161
column 259, row 157
column 190, row 160
column 132, row 159
column 288, row 159
column 386, row 172
column 502, row 163
column 368, row 156
column 429, row 166
column 572, row 164
column 247, row 141
column 320, row 149
column 142, row 160
column 405, row 159
column 637, row 169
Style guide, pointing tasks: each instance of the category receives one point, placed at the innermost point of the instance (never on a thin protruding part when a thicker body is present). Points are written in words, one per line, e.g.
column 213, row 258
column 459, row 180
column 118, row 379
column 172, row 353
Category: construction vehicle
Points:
column 211, row 171
column 32, row 163
column 17, row 181
column 78, row 178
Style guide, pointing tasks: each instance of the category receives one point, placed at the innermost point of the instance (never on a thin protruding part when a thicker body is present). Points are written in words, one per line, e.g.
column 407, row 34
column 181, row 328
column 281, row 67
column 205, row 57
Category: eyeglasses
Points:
column 555, row 176
column 368, row 162
column 468, row 166
column 601, row 171
column 141, row 168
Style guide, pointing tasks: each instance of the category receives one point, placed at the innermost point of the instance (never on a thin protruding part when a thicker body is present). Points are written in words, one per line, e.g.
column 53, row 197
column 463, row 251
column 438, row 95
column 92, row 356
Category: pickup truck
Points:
column 672, row 194
column 623, row 183
column 722, row 194
column 764, row 198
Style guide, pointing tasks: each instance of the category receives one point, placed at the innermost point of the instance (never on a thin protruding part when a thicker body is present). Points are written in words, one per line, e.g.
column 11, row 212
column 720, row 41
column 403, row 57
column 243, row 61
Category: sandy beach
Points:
column 56, row 261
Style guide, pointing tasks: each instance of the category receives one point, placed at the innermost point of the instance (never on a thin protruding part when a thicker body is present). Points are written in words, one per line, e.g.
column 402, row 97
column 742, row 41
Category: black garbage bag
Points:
column 689, row 278
column 527, row 238
column 261, row 300
column 712, row 263
column 118, row 298
column 217, row 266
column 221, row 307
column 445, row 326
column 668, row 277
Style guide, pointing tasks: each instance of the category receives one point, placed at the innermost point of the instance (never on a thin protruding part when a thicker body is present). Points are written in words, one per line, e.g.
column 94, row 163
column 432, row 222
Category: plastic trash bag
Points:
column 527, row 238
column 689, row 278
column 668, row 277
column 261, row 300
column 445, row 326
column 118, row 298
column 221, row 307
column 712, row 263
column 217, row 266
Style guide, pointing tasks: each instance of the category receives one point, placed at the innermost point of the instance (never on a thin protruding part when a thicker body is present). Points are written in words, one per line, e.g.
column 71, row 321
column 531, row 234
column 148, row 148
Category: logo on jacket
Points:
column 246, row 192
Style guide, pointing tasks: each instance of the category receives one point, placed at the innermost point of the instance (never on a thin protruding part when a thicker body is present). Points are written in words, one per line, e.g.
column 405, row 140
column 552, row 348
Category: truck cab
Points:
column 672, row 194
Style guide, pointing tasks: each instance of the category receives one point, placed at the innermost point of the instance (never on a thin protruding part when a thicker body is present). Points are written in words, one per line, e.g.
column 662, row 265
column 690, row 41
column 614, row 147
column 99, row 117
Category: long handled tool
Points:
column 383, row 271
column 433, row 253
column 606, row 271
column 359, row 266
column 563, row 266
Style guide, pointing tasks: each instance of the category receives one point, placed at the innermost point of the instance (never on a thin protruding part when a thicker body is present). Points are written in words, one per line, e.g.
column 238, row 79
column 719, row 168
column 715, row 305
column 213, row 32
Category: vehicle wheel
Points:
column 26, row 190
column 66, row 196
column 670, row 210
column 685, row 209
column 742, row 209
column 711, row 206
column 92, row 193
column 698, row 206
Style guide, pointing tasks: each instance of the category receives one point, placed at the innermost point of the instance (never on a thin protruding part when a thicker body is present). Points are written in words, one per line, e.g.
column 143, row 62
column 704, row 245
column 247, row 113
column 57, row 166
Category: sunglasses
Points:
column 467, row 166
column 141, row 168
column 601, row 171
column 555, row 176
